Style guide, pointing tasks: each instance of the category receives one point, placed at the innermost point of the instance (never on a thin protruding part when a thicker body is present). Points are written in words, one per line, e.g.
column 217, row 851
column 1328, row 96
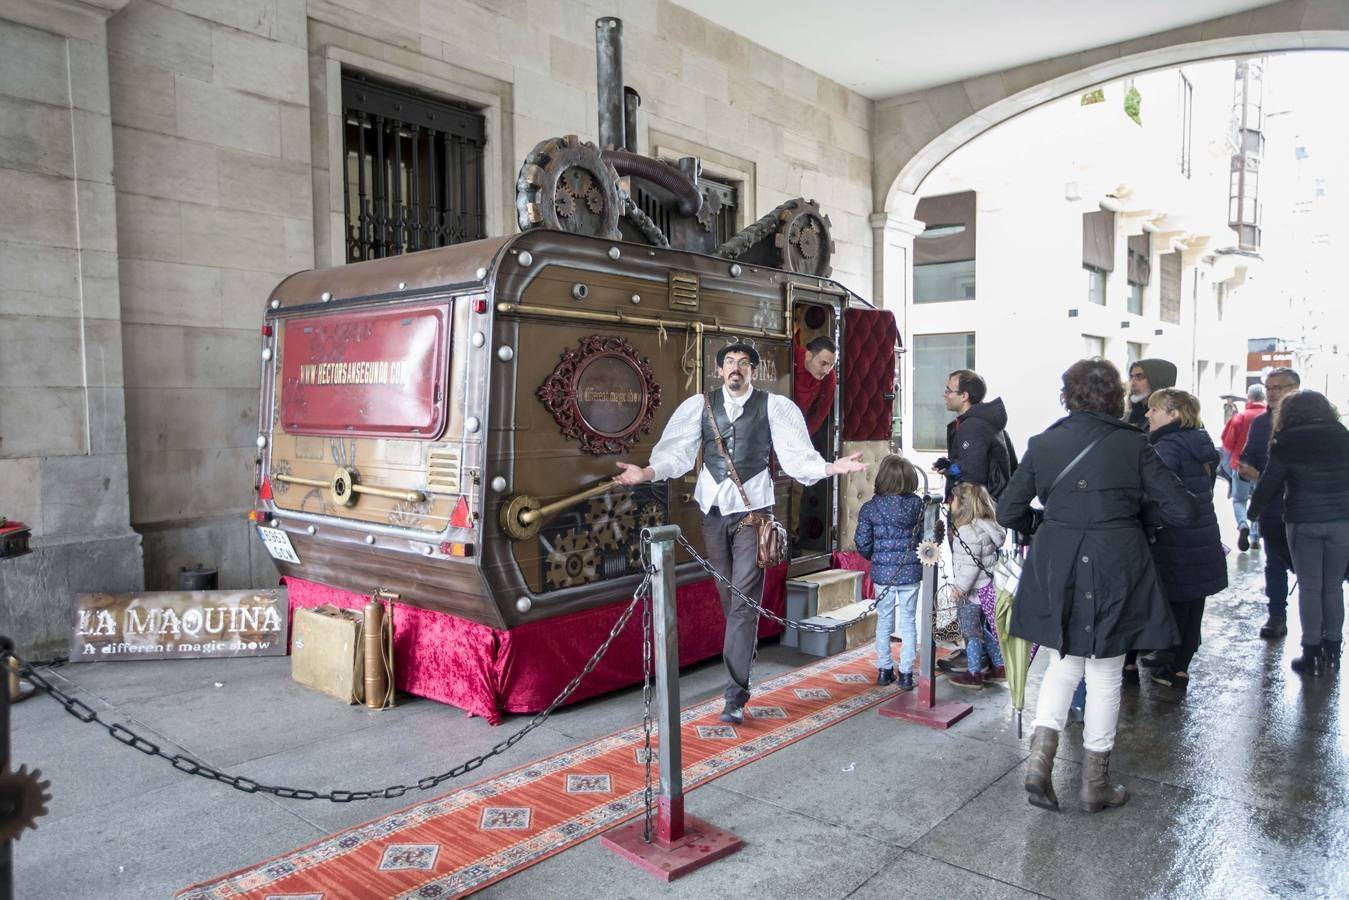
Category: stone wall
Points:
column 63, row 463
column 214, row 171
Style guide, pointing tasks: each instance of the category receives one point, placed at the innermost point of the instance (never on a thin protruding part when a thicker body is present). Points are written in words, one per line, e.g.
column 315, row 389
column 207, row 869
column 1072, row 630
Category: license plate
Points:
column 278, row 544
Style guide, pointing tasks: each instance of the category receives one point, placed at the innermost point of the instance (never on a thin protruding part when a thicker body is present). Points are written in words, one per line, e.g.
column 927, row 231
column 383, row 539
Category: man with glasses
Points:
column 1279, row 383
column 976, row 444
column 751, row 424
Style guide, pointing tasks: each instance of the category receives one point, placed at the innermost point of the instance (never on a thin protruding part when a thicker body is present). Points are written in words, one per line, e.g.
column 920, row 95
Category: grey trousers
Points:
column 1320, row 555
column 734, row 552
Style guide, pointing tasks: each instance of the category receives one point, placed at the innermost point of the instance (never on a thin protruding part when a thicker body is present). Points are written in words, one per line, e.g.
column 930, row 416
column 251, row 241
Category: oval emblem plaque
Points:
column 603, row 394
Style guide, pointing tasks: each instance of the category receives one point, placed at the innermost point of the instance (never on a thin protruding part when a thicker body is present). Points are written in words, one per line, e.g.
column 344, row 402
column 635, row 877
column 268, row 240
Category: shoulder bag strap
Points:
column 730, row 466
column 1075, row 460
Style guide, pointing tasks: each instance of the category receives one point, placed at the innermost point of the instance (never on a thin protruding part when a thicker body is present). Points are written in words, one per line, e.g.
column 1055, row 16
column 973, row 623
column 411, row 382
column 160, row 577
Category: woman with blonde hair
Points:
column 1190, row 561
column 975, row 542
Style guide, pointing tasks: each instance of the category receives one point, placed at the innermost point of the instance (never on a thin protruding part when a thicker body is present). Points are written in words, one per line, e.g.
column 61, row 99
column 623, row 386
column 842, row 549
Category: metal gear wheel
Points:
column 566, row 185
column 650, row 516
column 611, row 518
column 572, row 561
column 803, row 240
column 26, row 793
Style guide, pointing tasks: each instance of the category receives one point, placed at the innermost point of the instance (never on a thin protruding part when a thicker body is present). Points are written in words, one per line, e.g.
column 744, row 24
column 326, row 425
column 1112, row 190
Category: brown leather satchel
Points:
column 772, row 536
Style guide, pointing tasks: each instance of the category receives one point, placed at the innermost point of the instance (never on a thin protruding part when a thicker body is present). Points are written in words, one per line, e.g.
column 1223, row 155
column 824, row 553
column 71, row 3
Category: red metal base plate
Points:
column 701, row 844
column 939, row 715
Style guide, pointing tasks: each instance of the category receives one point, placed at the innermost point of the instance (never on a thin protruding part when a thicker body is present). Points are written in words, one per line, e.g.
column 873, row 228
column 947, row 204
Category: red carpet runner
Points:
column 466, row 840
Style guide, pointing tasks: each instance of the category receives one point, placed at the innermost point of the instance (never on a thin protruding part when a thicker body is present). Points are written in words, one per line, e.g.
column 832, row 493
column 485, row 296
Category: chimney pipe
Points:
column 609, row 80
column 632, row 101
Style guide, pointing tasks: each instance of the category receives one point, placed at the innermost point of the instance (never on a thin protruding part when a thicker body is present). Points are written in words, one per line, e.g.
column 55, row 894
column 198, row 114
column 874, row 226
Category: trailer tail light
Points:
column 266, row 331
column 257, row 515
column 462, row 517
column 455, row 548
column 480, row 305
column 265, row 491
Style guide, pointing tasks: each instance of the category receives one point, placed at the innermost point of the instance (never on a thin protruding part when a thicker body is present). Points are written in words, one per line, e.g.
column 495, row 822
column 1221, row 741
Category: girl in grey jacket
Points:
column 974, row 551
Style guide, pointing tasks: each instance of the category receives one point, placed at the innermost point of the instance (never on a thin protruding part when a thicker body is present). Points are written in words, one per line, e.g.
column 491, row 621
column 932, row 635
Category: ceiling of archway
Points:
column 881, row 48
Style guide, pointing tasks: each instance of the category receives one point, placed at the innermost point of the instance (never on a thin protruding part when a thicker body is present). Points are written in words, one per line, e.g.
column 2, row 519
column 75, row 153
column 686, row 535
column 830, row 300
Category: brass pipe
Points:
column 530, row 516
column 394, row 493
column 582, row 315
column 307, row 482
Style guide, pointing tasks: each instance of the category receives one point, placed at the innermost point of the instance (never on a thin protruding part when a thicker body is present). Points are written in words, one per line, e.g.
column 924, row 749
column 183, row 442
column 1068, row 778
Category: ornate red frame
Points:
column 558, row 394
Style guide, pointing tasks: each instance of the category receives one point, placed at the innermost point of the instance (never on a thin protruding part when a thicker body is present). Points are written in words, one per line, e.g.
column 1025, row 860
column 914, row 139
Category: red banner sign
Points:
column 372, row 373
column 1268, row 359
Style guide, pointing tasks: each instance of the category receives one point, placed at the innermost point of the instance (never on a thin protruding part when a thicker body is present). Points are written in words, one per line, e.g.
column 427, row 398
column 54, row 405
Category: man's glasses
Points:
column 738, row 363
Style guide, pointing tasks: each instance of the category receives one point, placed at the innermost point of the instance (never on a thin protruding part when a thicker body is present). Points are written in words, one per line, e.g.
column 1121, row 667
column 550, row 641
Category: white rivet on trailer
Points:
column 505, row 354
column 525, row 258
column 472, row 424
column 276, row 304
column 427, row 549
column 326, row 296
column 478, row 339
column 402, row 285
column 636, row 298
column 498, row 484
column 266, row 352
column 524, row 604
column 369, row 538
column 262, row 441
column 275, row 523
column 312, row 529
column 736, row 270
column 615, row 253
column 481, row 273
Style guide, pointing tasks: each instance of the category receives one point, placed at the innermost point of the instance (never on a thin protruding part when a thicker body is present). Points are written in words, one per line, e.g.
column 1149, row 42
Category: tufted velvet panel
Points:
column 869, row 339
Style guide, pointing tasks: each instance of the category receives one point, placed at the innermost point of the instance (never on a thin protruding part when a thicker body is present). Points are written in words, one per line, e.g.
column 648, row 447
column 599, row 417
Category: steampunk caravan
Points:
column 445, row 423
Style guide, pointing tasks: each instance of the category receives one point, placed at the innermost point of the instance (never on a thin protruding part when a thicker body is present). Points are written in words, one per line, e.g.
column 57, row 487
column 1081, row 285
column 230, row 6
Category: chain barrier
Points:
column 190, row 766
column 648, row 667
column 759, row 608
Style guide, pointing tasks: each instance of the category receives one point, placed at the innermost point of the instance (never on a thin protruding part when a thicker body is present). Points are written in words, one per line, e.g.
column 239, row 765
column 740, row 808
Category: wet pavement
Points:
column 1240, row 785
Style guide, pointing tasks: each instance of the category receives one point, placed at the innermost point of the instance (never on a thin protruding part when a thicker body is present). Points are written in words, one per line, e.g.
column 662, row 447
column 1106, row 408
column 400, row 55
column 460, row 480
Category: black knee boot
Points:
column 1310, row 662
column 1330, row 651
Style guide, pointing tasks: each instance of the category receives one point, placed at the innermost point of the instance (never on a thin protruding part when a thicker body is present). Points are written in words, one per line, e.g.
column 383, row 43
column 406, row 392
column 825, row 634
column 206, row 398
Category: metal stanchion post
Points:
column 681, row 843
column 920, row 705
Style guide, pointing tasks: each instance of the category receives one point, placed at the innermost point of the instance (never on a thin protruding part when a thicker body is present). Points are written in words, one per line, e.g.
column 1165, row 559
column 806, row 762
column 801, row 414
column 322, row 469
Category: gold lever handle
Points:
column 344, row 488
column 522, row 516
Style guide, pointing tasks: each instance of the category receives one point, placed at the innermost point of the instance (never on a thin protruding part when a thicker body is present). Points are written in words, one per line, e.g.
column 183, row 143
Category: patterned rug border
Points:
column 501, row 864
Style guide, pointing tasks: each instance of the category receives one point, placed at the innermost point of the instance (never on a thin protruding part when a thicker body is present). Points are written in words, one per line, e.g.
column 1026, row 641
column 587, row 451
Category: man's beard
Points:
column 1138, row 398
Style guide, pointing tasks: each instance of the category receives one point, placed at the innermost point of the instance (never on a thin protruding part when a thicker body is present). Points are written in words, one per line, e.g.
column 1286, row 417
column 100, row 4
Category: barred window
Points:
column 413, row 178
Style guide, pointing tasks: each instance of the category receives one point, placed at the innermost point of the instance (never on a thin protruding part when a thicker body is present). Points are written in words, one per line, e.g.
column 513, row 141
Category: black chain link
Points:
column 759, row 608
column 190, row 766
column 647, row 688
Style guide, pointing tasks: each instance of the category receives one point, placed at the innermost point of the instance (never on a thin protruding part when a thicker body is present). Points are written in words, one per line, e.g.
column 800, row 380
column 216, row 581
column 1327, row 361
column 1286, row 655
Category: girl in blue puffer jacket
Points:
column 888, row 529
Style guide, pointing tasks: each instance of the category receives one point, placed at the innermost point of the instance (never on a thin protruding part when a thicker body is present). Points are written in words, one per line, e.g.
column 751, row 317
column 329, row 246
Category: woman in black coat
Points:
column 1189, row 558
column 1089, row 591
column 1309, row 467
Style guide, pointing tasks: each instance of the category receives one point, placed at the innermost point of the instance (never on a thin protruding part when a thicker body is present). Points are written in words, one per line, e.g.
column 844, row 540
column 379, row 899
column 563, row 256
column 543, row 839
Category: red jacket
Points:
column 1238, row 427
column 814, row 397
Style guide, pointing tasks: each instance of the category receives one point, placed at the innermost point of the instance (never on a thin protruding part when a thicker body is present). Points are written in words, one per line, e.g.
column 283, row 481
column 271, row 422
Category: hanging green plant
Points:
column 1132, row 102
column 1096, row 96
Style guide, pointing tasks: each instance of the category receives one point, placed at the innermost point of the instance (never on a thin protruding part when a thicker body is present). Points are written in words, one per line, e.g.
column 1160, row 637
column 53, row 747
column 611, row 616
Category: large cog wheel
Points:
column 26, row 794
column 572, row 561
column 611, row 519
column 650, row 516
column 566, row 185
column 803, row 239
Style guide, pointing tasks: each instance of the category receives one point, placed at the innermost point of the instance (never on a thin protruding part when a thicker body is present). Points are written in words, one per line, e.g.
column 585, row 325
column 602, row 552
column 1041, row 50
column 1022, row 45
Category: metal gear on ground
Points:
column 27, row 793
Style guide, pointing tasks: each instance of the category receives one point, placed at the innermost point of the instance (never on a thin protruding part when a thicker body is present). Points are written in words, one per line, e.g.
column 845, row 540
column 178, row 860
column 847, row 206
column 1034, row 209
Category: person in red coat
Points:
column 1234, row 442
column 814, row 382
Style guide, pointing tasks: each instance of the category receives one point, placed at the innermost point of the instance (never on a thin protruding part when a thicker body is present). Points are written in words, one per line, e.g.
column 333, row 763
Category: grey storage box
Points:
column 818, row 643
column 818, row 593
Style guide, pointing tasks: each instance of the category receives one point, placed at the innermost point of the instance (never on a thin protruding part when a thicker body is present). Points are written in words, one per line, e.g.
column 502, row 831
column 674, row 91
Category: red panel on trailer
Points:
column 368, row 373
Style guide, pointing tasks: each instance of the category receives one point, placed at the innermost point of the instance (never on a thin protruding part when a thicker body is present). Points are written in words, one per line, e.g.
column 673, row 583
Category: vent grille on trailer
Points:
column 442, row 472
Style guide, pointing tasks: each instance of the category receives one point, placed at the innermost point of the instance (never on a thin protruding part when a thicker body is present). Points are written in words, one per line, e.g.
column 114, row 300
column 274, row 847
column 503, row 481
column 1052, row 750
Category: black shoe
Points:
column 1310, row 662
column 1170, row 677
column 906, row 681
column 1076, row 715
column 1273, row 628
column 956, row 662
column 1131, row 675
column 1330, row 651
column 733, row 713
column 1158, row 659
column 1244, row 538
column 885, row 676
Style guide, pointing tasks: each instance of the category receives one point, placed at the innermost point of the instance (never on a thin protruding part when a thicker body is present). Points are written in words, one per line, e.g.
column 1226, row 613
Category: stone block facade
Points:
column 166, row 162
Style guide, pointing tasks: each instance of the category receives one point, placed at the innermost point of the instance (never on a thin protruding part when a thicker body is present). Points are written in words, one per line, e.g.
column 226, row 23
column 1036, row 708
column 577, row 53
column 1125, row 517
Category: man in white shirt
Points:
column 751, row 423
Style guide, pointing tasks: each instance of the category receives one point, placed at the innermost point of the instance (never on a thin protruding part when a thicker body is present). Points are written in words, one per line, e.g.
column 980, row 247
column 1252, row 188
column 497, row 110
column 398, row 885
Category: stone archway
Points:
column 915, row 132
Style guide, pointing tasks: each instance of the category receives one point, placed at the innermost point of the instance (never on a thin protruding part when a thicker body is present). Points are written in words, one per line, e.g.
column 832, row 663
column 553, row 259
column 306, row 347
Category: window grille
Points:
column 413, row 177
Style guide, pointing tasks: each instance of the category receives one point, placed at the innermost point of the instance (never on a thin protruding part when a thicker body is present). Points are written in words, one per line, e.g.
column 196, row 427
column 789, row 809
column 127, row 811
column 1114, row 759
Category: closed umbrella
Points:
column 1016, row 652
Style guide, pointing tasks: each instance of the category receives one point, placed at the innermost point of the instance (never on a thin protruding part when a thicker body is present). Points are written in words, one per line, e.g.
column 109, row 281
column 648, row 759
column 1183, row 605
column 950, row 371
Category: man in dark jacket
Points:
column 975, row 443
column 1279, row 383
column 1146, row 376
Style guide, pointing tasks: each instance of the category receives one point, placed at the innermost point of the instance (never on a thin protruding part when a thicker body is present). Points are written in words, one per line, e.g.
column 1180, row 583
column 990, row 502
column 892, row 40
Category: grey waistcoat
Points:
column 749, row 439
